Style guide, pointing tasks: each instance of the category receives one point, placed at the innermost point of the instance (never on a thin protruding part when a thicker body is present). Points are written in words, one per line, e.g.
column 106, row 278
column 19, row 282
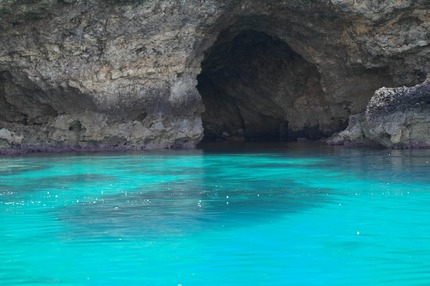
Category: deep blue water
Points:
column 261, row 215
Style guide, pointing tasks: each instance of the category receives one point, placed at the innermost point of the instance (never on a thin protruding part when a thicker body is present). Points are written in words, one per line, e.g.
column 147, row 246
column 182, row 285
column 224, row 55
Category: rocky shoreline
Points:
column 395, row 118
column 155, row 74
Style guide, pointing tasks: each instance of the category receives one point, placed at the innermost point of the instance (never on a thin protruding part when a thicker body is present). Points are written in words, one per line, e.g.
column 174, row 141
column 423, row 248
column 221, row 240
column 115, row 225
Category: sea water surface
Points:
column 262, row 215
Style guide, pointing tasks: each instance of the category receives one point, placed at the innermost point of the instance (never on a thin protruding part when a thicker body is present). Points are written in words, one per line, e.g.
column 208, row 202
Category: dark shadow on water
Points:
column 292, row 148
column 175, row 210
column 16, row 167
column 236, row 186
column 219, row 186
column 33, row 185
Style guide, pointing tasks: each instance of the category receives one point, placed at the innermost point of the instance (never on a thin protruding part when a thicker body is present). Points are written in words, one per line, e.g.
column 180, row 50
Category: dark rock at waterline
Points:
column 166, row 74
column 394, row 118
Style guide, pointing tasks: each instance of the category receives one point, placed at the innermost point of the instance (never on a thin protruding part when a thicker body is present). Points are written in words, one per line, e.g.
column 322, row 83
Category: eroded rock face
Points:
column 394, row 118
column 123, row 74
column 97, row 75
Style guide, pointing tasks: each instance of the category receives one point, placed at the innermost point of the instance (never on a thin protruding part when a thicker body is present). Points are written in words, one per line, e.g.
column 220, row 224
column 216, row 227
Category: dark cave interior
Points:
column 249, row 84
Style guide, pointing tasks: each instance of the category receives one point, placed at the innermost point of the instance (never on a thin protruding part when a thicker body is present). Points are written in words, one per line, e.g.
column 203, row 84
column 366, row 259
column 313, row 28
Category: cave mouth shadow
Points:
column 252, row 84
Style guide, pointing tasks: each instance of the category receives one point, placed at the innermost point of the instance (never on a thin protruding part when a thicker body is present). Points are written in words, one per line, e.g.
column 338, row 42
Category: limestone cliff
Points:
column 79, row 74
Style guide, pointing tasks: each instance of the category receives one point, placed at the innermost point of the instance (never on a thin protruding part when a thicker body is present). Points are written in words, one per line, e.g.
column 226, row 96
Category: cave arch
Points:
column 255, row 87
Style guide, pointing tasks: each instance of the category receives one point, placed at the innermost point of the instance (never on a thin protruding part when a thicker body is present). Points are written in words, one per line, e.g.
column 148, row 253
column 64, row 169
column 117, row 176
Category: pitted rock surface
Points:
column 135, row 74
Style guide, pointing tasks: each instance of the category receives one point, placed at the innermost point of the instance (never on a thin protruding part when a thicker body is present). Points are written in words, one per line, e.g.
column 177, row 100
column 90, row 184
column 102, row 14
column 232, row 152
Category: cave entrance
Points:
column 250, row 84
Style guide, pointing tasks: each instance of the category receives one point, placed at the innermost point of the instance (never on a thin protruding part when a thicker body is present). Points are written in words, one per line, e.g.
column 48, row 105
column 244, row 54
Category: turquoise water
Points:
column 295, row 215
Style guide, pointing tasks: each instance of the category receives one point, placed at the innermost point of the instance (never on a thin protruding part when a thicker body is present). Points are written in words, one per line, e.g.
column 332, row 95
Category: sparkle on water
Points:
column 294, row 215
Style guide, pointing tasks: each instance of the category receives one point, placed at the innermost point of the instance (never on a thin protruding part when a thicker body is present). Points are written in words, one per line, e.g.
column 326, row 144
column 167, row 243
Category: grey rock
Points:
column 353, row 134
column 399, row 117
column 163, row 74
column 395, row 118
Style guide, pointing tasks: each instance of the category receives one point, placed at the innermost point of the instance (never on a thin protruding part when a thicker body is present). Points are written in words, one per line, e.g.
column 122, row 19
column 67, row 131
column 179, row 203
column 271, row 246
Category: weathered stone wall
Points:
column 123, row 74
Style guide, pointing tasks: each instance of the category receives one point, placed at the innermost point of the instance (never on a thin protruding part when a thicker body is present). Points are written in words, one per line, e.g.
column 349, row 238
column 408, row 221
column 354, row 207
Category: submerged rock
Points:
column 166, row 74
